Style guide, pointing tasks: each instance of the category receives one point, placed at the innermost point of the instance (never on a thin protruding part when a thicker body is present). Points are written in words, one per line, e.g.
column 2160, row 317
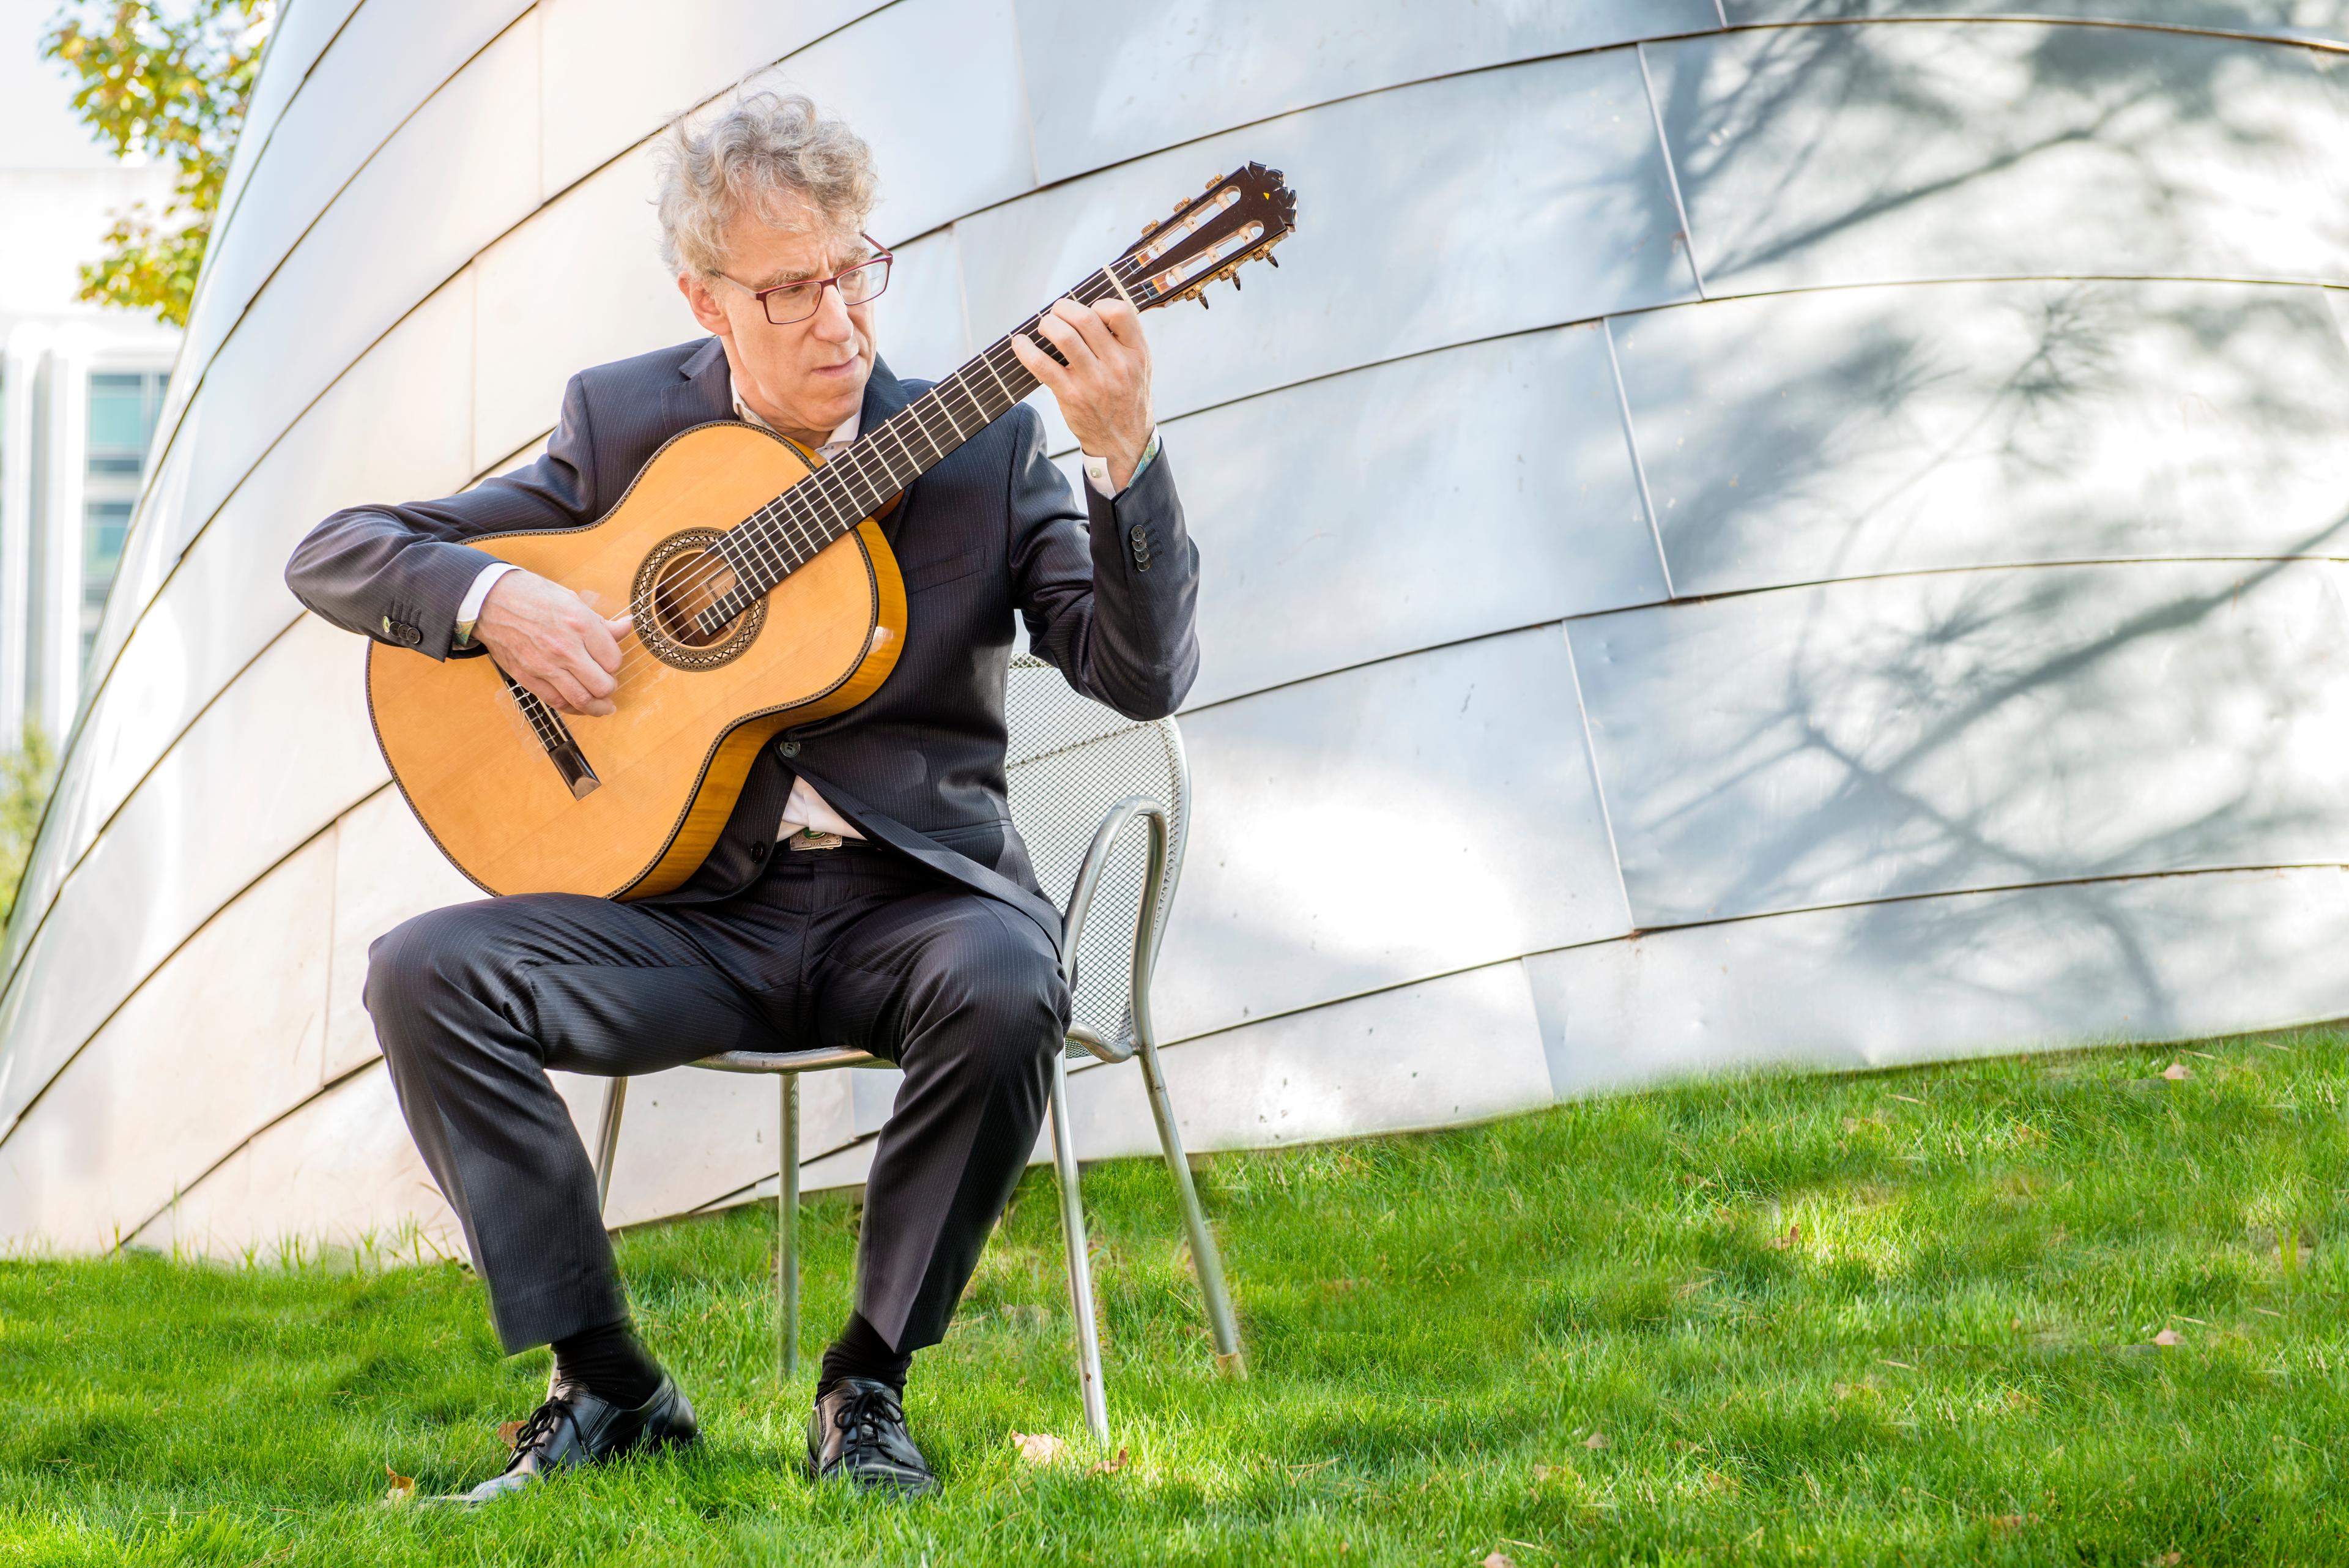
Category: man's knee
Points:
column 998, row 987
column 422, row 962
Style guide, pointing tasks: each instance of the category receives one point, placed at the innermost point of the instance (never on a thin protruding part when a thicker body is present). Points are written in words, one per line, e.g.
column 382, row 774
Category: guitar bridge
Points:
column 562, row 748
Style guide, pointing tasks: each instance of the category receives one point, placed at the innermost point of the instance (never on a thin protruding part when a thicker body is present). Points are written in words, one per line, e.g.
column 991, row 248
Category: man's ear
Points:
column 703, row 303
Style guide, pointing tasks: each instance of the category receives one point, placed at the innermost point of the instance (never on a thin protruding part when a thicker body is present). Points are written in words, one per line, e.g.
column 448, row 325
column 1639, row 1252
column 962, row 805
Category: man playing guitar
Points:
column 868, row 889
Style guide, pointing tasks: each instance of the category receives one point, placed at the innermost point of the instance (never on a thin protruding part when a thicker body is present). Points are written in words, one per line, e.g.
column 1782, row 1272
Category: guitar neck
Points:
column 787, row 533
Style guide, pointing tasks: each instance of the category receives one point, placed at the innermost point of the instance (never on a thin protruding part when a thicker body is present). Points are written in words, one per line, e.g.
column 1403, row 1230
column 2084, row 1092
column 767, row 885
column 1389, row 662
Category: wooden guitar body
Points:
column 629, row 806
column 764, row 596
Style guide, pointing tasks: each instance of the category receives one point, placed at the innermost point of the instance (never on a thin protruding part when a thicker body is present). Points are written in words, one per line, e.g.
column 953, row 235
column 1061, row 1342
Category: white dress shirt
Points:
column 807, row 817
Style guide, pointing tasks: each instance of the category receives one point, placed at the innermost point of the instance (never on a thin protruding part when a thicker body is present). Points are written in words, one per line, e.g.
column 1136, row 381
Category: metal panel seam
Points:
column 1638, row 468
column 2025, row 19
column 1598, row 781
column 1984, row 891
column 1026, row 111
column 1671, row 173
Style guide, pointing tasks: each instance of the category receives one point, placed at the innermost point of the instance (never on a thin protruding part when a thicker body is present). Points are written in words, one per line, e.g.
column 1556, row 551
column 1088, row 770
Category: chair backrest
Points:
column 1070, row 761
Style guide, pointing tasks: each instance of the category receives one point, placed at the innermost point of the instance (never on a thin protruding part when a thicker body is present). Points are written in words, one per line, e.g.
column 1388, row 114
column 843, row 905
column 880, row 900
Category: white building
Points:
column 1727, row 541
column 80, row 385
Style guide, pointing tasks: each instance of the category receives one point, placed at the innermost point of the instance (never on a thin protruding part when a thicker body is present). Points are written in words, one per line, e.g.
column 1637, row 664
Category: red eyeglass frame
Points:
column 879, row 254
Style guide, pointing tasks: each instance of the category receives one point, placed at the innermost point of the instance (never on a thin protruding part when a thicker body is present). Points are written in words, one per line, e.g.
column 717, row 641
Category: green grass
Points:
column 1905, row 1317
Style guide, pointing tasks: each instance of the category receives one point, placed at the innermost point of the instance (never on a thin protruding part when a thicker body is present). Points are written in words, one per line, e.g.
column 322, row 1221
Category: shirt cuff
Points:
column 469, row 608
column 1097, row 469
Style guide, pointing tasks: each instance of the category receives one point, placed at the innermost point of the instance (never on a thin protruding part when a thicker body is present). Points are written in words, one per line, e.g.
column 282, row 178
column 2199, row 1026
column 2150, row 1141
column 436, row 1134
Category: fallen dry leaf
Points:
column 2007, row 1521
column 2177, row 1071
column 402, row 1488
column 508, row 1431
column 2169, row 1336
column 1111, row 1466
column 1499, row 1560
column 1794, row 1234
column 1596, row 1440
column 2167, row 1560
column 1039, row 1448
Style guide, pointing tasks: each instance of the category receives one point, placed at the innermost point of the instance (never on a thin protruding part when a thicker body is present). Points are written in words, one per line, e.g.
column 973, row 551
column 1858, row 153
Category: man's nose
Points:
column 831, row 321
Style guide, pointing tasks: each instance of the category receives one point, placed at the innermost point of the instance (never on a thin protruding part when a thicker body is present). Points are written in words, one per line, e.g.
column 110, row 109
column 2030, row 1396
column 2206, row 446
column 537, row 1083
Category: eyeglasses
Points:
column 788, row 303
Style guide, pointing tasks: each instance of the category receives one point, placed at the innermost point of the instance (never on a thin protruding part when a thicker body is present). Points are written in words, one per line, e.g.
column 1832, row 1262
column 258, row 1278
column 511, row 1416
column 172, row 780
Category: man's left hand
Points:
column 1104, row 388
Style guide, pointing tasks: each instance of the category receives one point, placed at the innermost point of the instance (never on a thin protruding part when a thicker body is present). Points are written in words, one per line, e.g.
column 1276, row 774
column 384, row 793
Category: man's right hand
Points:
column 547, row 638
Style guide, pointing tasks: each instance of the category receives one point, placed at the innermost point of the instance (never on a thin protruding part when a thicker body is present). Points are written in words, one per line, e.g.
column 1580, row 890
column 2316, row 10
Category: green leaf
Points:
column 171, row 81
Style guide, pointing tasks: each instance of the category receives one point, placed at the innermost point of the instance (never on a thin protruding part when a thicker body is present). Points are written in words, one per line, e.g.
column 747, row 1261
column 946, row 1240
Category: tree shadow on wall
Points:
column 1960, row 731
column 1840, row 154
column 2314, row 18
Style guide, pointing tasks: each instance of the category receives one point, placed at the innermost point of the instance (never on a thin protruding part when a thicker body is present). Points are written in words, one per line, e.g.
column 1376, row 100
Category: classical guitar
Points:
column 764, row 596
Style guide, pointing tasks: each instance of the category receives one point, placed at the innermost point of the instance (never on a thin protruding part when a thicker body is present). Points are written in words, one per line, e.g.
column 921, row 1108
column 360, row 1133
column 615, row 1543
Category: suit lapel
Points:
column 703, row 391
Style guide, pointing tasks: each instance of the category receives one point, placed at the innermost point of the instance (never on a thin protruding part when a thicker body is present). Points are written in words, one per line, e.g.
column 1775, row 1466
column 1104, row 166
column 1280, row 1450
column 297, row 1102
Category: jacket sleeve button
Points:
column 758, row 851
column 788, row 748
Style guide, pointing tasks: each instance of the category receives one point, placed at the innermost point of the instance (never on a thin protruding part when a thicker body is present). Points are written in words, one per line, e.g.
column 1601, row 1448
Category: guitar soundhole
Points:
column 676, row 582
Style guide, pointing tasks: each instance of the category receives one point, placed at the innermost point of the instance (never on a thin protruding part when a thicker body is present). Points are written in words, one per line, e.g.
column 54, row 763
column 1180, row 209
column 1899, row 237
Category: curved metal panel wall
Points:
column 1734, row 539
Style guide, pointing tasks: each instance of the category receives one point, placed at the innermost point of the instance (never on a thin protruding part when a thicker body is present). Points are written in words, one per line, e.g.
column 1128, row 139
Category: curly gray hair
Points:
column 766, row 152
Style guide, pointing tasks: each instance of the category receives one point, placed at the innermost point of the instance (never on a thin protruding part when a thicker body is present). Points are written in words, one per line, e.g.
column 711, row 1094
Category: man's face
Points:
column 804, row 377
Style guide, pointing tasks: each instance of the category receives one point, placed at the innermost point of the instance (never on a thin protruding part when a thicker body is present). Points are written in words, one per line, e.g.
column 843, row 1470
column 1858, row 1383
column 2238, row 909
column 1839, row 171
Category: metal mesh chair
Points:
column 1080, row 777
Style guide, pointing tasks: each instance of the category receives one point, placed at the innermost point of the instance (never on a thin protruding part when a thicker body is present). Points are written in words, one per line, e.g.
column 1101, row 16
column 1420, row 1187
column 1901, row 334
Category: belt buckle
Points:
column 809, row 838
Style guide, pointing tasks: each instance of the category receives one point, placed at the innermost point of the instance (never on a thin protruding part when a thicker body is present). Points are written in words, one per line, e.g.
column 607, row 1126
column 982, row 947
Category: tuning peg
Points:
column 1270, row 257
column 1149, row 227
column 1203, row 300
column 1236, row 283
column 1214, row 181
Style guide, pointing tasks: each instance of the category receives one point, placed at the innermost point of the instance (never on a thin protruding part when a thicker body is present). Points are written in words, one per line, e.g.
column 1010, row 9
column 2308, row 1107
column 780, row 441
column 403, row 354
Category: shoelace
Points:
column 862, row 1417
column 542, row 1422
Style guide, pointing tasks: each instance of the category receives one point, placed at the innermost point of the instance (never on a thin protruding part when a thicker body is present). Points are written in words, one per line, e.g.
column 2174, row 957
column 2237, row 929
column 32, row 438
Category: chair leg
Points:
column 607, row 1139
column 1205, row 1261
column 1072, row 1235
column 787, row 1235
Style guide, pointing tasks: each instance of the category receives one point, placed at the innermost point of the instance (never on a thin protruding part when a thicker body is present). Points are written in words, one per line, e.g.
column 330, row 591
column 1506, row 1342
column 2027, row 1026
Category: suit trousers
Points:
column 856, row 946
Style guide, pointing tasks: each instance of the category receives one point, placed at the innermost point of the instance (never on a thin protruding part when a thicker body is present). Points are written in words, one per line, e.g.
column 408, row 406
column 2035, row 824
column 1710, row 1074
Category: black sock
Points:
column 861, row 1352
column 611, row 1362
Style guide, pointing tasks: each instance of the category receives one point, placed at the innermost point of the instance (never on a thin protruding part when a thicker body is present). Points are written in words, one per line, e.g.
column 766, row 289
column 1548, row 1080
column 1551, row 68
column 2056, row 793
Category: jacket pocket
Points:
column 932, row 573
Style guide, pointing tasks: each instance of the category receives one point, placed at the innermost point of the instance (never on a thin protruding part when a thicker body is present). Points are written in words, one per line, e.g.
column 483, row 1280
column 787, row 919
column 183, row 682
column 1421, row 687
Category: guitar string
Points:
column 789, row 532
column 852, row 466
column 769, row 530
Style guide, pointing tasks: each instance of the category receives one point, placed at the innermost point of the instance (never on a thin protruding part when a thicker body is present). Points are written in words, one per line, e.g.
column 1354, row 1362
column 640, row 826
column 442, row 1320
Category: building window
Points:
column 104, row 524
column 123, row 407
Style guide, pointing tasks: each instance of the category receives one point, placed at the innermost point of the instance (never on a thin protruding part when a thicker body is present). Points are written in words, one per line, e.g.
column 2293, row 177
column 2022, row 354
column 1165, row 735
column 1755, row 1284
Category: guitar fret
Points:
column 988, row 359
column 795, row 526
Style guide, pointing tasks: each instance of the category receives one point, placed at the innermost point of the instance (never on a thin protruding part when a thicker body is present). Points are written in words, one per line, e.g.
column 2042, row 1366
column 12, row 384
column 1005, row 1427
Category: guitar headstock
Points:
column 1239, row 218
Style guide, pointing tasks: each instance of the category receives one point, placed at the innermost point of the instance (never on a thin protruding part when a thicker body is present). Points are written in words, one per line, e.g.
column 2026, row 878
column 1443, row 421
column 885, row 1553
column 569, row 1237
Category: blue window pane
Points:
column 124, row 409
column 104, row 525
column 114, row 413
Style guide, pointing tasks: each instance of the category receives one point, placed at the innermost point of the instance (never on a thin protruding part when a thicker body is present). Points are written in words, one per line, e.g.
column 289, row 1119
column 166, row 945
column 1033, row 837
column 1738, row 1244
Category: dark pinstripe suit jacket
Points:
column 991, row 533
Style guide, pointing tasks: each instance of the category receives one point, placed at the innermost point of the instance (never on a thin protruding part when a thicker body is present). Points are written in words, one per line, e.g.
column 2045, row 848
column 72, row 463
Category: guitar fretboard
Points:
column 787, row 533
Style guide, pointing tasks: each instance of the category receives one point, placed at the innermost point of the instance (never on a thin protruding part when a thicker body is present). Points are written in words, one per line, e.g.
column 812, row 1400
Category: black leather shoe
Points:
column 858, row 1433
column 575, row 1427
